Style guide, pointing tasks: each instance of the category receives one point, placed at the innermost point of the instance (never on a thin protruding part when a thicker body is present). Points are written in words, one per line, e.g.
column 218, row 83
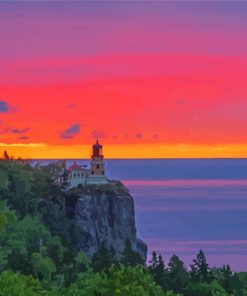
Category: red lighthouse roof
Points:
column 74, row 167
column 97, row 150
column 97, row 145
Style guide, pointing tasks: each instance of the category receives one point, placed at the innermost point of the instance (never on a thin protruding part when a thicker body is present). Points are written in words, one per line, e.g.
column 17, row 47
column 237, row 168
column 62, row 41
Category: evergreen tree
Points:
column 200, row 271
column 102, row 259
column 230, row 282
column 6, row 155
column 157, row 269
column 204, row 289
column 130, row 257
column 178, row 276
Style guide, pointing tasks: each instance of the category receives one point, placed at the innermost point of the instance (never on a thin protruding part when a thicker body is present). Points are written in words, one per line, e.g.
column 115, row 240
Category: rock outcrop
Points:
column 105, row 213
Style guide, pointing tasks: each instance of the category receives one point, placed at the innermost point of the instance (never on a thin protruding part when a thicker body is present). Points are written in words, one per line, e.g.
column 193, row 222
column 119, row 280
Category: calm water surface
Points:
column 186, row 205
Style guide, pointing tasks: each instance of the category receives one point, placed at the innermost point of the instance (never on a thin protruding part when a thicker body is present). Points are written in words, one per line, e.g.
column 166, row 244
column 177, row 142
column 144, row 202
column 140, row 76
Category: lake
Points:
column 183, row 205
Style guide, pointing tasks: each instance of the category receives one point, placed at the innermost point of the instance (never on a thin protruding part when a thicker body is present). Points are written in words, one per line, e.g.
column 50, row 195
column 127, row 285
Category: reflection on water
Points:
column 183, row 216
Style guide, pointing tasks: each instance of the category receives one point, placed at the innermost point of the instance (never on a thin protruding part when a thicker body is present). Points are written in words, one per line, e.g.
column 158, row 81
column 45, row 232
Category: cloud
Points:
column 71, row 106
column 8, row 130
column 71, row 131
column 24, row 138
column 180, row 101
column 138, row 135
column 155, row 136
column 4, row 107
column 18, row 131
column 97, row 134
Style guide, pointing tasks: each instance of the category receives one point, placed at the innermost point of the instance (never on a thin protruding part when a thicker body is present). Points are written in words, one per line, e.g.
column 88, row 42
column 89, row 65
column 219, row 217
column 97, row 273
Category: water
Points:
column 184, row 205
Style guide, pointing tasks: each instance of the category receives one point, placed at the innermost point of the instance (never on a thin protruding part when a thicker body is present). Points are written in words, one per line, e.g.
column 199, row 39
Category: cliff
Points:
column 104, row 213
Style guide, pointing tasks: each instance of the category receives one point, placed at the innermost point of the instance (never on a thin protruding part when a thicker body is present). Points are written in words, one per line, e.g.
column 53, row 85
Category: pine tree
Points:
column 6, row 155
column 157, row 269
column 200, row 271
column 177, row 274
column 130, row 257
column 102, row 259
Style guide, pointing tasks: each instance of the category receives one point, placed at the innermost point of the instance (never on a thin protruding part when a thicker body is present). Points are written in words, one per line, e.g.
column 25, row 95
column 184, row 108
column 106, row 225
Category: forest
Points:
column 39, row 253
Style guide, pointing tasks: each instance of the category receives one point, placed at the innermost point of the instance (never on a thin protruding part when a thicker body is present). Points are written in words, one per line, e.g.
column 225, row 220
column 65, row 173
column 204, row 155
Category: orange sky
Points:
column 147, row 81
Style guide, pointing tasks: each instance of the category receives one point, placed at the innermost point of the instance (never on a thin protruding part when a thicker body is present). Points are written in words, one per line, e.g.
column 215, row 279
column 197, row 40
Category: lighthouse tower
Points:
column 97, row 161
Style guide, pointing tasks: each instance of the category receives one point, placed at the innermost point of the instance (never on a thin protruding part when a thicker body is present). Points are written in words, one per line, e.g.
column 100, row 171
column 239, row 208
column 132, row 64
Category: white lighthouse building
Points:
column 79, row 175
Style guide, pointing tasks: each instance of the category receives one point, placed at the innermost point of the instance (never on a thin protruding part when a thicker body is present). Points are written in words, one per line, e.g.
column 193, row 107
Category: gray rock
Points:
column 106, row 213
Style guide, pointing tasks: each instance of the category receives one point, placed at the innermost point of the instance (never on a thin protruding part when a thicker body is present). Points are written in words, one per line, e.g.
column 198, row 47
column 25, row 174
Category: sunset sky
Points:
column 148, row 79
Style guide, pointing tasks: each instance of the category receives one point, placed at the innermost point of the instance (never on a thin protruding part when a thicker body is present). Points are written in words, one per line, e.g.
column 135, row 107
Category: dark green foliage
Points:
column 204, row 289
column 178, row 277
column 242, row 276
column 130, row 257
column 125, row 281
column 104, row 258
column 16, row 284
column 230, row 281
column 157, row 269
column 200, row 271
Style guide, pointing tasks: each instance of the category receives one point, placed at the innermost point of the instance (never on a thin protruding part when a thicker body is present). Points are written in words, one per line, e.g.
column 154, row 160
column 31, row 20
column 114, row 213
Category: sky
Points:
column 148, row 79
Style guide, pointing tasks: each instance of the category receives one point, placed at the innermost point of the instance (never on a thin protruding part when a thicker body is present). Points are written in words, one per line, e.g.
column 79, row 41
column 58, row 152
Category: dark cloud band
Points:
column 4, row 107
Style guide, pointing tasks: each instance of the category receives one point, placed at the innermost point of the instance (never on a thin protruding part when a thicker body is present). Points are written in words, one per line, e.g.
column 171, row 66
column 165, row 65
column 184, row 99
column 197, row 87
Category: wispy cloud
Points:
column 97, row 134
column 24, row 138
column 16, row 130
column 180, row 101
column 71, row 131
column 71, row 106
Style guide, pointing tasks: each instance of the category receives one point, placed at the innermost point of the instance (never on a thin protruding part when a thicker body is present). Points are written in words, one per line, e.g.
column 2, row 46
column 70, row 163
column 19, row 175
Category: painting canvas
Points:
column 123, row 166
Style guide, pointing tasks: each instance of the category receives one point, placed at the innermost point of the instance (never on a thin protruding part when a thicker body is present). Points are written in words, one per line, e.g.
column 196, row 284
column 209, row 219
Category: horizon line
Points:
column 137, row 158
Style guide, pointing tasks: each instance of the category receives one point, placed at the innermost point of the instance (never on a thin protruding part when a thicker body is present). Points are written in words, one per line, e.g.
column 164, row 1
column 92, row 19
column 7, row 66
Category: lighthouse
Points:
column 97, row 160
column 95, row 174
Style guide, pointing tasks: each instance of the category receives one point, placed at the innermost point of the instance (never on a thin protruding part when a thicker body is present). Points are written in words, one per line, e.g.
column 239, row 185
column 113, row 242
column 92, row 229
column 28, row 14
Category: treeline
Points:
column 39, row 250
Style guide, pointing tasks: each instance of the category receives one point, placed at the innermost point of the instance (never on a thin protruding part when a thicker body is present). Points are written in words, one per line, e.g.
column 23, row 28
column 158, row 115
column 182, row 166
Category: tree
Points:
column 16, row 284
column 8, row 219
column 200, row 271
column 19, row 187
column 178, row 276
column 230, row 281
column 82, row 263
column 130, row 257
column 204, row 289
column 3, row 180
column 102, row 259
column 124, row 281
column 157, row 269
column 6, row 155
column 43, row 267
column 25, row 237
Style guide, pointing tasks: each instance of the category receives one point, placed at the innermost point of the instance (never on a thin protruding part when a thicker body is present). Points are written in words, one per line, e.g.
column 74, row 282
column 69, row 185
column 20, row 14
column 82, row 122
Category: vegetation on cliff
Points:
column 39, row 253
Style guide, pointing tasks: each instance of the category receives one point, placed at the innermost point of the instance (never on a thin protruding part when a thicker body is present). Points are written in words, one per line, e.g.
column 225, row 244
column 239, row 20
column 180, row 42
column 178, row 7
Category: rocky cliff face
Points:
column 105, row 213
